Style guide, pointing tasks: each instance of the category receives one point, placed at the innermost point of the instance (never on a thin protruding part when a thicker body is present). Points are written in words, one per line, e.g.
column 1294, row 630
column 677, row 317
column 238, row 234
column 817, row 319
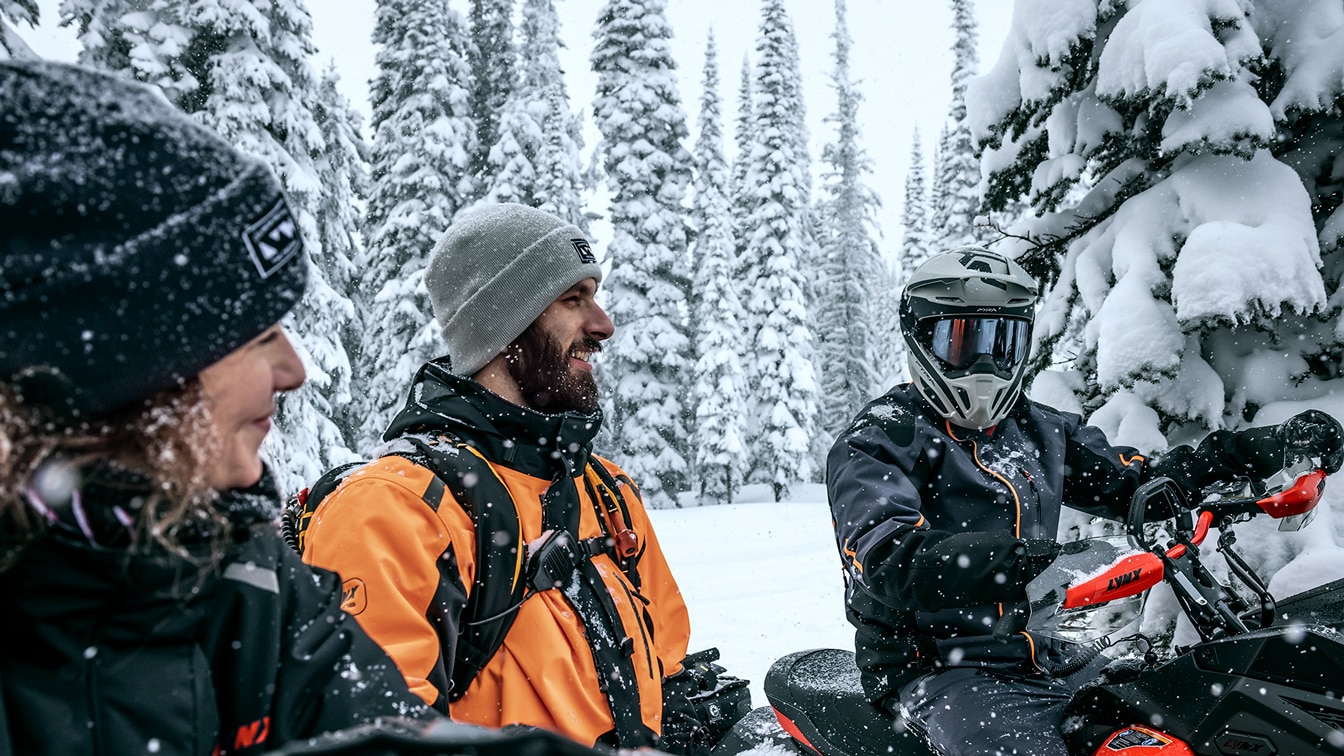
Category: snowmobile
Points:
column 1265, row 677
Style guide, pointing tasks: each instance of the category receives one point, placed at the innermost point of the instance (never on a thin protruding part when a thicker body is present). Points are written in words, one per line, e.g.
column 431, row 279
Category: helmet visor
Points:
column 960, row 341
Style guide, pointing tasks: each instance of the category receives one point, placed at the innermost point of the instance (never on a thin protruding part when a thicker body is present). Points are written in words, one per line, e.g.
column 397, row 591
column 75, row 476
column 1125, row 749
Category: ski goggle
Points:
column 960, row 341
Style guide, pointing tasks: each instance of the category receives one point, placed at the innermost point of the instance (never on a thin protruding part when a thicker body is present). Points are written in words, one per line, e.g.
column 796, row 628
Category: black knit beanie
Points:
column 136, row 247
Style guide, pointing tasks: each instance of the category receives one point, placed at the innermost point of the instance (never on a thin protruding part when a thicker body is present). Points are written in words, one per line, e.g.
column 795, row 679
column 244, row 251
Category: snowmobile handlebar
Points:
column 1290, row 496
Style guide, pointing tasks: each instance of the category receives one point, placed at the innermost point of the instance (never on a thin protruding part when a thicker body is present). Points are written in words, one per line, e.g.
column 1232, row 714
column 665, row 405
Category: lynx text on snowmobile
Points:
column 1265, row 678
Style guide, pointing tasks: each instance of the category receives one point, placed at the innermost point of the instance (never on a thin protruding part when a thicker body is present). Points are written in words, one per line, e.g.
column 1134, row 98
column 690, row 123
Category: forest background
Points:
column 1169, row 169
column 675, row 422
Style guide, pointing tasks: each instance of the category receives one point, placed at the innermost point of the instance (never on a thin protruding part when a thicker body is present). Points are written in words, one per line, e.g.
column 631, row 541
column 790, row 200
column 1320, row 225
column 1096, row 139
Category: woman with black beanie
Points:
column 149, row 605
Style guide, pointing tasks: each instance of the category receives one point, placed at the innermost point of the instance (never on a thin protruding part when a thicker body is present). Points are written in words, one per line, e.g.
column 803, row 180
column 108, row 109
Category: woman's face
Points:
column 241, row 389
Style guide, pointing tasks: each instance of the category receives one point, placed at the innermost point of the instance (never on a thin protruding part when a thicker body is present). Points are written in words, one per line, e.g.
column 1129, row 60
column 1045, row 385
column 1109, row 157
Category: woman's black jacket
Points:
column 108, row 653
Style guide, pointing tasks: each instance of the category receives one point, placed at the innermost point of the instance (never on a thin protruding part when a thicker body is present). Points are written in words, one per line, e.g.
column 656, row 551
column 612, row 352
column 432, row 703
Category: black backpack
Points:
column 500, row 583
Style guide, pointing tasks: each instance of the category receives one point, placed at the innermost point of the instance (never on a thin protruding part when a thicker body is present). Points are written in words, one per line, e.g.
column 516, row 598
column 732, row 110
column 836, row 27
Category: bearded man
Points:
column 505, row 424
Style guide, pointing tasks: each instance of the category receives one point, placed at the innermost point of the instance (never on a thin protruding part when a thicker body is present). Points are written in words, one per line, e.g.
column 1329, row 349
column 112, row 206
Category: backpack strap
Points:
column 498, row 588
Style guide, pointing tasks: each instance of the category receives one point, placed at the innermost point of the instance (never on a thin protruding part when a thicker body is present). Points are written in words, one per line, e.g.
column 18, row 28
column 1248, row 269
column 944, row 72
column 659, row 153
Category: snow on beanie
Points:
column 495, row 270
column 136, row 247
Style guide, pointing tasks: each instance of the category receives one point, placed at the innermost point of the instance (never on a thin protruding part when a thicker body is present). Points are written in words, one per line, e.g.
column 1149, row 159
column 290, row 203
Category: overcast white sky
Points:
column 901, row 56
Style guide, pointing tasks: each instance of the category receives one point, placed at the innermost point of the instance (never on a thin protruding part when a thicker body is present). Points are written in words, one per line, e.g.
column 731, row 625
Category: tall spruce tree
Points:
column 342, row 173
column 535, row 160
column 891, row 363
column 851, row 261
column 243, row 71
column 638, row 112
column 716, row 309
column 494, row 71
column 777, row 187
column 1189, row 224
column 743, row 139
column 423, row 137
column 956, row 191
column 561, row 178
column 13, row 13
column 917, row 243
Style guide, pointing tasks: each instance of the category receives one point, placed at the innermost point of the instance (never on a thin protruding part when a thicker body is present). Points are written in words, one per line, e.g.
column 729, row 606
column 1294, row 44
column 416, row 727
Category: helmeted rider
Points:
column 946, row 496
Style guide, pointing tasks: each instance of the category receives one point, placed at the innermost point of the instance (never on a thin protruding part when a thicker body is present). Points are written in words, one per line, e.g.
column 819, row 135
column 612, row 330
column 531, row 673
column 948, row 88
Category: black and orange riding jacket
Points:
column 938, row 525
column 408, row 567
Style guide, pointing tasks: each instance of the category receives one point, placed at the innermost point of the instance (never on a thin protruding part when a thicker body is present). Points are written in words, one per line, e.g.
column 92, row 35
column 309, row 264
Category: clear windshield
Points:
column 1082, row 563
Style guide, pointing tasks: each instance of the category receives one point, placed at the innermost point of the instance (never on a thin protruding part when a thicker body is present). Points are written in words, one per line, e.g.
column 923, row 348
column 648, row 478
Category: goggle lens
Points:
column 959, row 342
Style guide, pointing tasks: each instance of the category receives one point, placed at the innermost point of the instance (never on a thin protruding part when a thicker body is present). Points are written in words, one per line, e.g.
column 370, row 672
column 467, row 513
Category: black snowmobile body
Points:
column 1274, row 691
column 1264, row 680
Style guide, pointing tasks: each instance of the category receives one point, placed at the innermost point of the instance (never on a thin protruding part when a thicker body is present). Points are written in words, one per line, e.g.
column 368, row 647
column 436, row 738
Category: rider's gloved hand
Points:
column 684, row 732
column 1315, row 434
column 1261, row 452
column 1037, row 554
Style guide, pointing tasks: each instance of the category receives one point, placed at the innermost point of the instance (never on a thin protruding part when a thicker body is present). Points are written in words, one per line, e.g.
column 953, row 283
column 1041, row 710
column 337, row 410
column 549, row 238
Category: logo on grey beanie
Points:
column 586, row 255
column 272, row 240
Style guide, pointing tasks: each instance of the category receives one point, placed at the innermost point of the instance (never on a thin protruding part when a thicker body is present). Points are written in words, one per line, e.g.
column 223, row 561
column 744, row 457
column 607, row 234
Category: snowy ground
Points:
column 761, row 579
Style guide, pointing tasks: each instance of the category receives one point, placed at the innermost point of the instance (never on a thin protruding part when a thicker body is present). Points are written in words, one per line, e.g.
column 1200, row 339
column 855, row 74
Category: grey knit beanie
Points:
column 495, row 270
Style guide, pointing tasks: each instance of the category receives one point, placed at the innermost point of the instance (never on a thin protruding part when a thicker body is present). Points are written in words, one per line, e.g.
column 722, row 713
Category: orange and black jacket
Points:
column 408, row 567
column 938, row 525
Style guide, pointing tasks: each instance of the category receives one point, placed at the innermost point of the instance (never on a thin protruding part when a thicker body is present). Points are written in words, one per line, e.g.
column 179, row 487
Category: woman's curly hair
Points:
column 169, row 439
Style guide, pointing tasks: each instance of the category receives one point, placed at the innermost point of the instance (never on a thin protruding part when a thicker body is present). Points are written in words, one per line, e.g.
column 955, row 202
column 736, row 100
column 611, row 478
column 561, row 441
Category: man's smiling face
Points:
column 550, row 360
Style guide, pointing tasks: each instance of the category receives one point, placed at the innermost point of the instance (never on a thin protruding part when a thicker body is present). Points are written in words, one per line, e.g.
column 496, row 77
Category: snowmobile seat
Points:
column 818, row 700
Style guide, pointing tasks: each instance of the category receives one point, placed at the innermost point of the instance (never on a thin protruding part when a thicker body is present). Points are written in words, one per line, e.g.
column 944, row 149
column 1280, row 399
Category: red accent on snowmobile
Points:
column 794, row 732
column 1201, row 530
column 1302, row 497
column 1133, row 574
column 1137, row 740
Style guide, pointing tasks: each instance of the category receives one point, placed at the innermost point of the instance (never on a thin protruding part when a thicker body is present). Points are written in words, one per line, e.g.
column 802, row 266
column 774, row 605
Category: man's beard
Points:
column 540, row 367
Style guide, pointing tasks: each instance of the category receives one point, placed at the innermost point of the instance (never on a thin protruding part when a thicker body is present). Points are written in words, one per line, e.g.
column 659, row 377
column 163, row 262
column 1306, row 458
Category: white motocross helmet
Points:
column 967, row 316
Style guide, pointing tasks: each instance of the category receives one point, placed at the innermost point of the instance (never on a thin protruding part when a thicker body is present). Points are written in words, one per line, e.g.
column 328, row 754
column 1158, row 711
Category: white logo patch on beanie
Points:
column 272, row 240
column 586, row 255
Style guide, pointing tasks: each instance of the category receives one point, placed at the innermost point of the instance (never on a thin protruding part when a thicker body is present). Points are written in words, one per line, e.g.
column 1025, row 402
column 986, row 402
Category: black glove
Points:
column 683, row 731
column 1037, row 554
column 700, row 704
column 1256, row 453
column 1314, row 434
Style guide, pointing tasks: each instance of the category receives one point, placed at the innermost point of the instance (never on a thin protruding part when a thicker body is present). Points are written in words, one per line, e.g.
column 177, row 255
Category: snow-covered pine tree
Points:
column 780, row 343
column 743, row 139
column 110, row 30
column 956, row 191
column 892, row 367
column 851, row 264
column 561, row 179
column 422, row 142
column 535, row 160
column 13, row 13
column 244, row 71
column 916, row 241
column 638, row 112
column 1185, row 159
column 494, row 64
column 716, row 309
column 342, row 173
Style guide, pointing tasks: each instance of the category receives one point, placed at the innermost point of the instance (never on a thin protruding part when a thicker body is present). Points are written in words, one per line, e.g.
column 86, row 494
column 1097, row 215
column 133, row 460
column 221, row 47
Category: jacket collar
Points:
column 536, row 443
